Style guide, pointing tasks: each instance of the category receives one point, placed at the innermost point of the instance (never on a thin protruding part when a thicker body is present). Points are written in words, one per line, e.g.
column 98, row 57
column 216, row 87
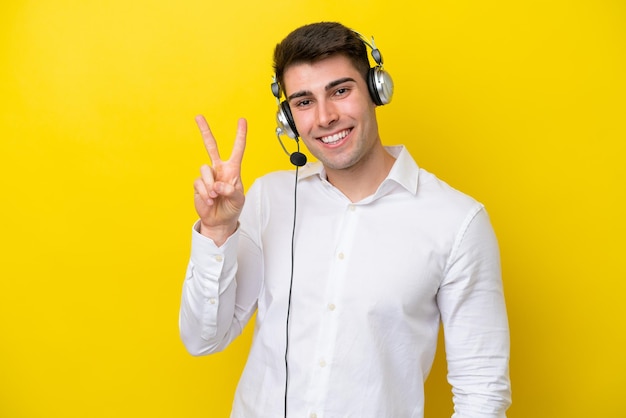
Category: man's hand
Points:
column 219, row 194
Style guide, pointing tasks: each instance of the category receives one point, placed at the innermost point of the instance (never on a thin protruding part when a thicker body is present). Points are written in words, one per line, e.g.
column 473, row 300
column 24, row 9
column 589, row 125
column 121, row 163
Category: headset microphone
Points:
column 297, row 158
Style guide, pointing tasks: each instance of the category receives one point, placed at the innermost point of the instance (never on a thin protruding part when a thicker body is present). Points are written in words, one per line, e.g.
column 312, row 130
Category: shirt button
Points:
column 219, row 258
column 322, row 363
column 313, row 415
column 341, row 256
column 212, row 301
column 351, row 208
column 331, row 306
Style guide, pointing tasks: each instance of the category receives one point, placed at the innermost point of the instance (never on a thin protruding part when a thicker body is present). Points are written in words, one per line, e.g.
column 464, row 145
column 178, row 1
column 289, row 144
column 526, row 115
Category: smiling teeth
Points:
column 335, row 138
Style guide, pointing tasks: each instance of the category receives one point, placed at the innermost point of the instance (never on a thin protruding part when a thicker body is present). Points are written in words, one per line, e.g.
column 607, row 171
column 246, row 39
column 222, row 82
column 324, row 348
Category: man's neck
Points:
column 362, row 180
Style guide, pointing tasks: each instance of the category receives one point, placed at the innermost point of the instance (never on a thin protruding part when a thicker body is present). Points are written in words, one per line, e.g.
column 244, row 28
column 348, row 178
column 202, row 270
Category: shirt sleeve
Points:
column 473, row 312
column 214, row 308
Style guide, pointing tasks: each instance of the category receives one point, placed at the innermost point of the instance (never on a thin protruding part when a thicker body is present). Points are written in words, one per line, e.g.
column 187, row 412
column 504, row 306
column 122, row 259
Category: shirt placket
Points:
column 323, row 360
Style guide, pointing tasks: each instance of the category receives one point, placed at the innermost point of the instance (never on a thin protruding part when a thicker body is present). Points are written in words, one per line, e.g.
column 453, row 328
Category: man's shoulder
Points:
column 275, row 178
column 432, row 187
column 273, row 184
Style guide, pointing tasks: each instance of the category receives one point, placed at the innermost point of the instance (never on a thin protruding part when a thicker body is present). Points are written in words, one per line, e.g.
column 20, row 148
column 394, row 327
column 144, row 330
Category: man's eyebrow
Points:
column 327, row 87
column 299, row 94
column 338, row 82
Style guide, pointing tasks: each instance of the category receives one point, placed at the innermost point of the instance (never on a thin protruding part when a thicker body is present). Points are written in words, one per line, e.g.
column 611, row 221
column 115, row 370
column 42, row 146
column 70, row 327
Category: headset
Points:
column 379, row 85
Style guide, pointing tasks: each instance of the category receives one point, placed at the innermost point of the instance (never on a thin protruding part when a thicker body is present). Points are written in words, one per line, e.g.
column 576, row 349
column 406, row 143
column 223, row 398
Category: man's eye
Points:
column 303, row 103
column 341, row 91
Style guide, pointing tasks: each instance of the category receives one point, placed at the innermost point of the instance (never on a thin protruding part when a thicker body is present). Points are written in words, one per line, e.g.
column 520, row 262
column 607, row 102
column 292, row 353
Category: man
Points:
column 350, row 295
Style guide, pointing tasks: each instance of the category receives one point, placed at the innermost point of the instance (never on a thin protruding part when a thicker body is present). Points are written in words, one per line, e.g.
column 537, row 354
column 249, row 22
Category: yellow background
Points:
column 518, row 103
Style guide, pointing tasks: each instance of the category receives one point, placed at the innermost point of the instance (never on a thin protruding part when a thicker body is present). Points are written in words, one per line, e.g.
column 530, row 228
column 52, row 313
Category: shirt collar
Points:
column 404, row 171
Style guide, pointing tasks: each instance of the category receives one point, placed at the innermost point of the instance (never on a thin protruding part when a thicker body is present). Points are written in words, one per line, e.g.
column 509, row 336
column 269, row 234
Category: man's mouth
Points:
column 331, row 139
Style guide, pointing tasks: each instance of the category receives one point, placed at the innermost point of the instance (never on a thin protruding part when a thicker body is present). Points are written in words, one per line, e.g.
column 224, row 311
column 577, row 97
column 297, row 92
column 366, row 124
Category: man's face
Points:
column 333, row 111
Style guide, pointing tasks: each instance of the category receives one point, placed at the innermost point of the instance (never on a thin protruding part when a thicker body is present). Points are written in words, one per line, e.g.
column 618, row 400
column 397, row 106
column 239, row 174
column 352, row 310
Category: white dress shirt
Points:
column 371, row 282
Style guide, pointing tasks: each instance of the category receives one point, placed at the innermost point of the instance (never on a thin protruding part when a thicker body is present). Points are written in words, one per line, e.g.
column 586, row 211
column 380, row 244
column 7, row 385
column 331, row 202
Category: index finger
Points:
column 209, row 140
column 240, row 142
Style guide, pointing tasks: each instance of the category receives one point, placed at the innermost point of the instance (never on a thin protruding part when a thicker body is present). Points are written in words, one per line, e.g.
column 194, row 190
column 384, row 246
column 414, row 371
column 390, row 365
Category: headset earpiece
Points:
column 380, row 86
column 285, row 120
column 379, row 81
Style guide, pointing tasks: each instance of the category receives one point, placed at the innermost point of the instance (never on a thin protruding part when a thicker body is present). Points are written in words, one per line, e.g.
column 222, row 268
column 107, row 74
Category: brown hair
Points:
column 316, row 41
